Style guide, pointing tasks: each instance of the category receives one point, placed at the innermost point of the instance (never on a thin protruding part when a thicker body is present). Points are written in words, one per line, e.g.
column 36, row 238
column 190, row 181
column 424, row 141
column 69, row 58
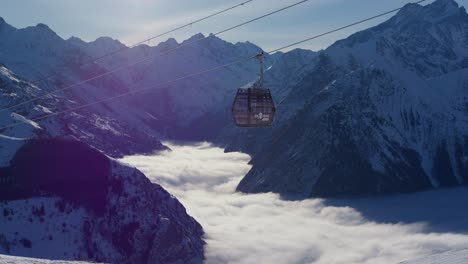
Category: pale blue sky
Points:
column 134, row 20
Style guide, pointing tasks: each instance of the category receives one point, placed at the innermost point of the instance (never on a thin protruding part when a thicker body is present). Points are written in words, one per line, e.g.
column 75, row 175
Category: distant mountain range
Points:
column 37, row 55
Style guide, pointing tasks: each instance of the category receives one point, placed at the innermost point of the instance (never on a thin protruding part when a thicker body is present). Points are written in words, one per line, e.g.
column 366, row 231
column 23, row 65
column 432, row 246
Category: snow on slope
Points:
column 104, row 127
column 14, row 90
column 4, row 259
column 34, row 53
column 52, row 234
column 118, row 218
column 451, row 257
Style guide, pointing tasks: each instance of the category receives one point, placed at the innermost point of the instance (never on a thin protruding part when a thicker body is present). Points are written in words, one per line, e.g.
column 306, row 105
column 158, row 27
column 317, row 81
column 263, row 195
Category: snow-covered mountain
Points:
column 382, row 111
column 194, row 108
column 35, row 62
column 178, row 107
column 64, row 200
column 99, row 129
column 138, row 222
column 40, row 56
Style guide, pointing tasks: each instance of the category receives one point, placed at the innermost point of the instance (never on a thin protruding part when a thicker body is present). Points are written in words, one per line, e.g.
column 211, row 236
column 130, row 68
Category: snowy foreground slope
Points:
column 138, row 221
column 64, row 200
column 452, row 257
column 382, row 111
column 5, row 259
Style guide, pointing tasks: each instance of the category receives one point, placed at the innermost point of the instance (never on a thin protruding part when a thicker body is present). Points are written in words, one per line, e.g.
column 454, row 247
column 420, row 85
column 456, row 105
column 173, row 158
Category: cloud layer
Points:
column 265, row 229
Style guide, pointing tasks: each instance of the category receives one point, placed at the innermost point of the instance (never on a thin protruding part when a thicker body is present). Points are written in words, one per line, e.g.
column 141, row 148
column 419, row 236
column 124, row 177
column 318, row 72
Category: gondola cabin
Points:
column 253, row 107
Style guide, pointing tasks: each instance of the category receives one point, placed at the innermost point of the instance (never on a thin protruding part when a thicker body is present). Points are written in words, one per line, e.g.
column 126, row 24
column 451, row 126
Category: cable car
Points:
column 254, row 106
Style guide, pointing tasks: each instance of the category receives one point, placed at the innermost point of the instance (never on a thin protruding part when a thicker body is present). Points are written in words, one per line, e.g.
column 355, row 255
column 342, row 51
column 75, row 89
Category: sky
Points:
column 133, row 20
column 262, row 228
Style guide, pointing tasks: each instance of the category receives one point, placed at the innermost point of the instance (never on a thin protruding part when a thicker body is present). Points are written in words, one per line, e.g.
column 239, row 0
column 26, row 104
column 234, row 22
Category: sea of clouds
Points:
column 263, row 228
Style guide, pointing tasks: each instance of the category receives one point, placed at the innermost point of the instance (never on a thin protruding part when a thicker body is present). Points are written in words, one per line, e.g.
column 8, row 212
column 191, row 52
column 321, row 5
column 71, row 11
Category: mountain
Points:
column 65, row 200
column 382, row 111
column 178, row 106
column 39, row 62
column 176, row 110
column 99, row 129
column 98, row 47
column 77, row 203
column 167, row 111
column 36, row 62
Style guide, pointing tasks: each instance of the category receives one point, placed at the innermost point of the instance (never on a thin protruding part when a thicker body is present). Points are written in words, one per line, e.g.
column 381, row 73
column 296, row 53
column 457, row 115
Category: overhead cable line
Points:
column 207, row 70
column 152, row 57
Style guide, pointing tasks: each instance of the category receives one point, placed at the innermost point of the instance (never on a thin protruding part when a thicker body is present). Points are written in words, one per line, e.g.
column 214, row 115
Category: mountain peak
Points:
column 41, row 29
column 76, row 41
column 107, row 42
column 409, row 9
column 196, row 37
column 435, row 11
column 4, row 25
column 445, row 7
column 44, row 27
column 248, row 47
column 170, row 43
column 445, row 3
